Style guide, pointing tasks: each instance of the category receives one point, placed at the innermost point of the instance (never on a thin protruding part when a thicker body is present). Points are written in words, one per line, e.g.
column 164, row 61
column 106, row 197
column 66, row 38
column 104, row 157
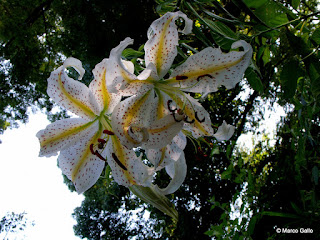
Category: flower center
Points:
column 138, row 134
column 179, row 114
column 100, row 145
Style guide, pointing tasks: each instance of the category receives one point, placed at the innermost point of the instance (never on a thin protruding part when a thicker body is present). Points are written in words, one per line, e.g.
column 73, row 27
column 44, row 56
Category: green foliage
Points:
column 13, row 223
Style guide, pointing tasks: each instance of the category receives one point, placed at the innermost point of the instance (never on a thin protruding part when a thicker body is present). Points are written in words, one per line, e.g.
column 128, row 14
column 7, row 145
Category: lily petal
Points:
column 207, row 70
column 160, row 158
column 127, row 168
column 131, row 117
column 140, row 85
column 80, row 165
column 71, row 94
column 62, row 134
column 202, row 124
column 106, row 100
column 162, row 131
column 177, row 171
column 161, row 47
column 198, row 119
column 225, row 132
column 119, row 76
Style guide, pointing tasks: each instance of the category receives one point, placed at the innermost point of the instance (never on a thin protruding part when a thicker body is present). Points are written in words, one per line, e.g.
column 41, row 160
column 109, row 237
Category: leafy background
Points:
column 230, row 191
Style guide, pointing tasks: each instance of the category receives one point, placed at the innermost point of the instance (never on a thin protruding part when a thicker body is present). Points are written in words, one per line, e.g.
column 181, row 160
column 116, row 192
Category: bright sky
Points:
column 35, row 185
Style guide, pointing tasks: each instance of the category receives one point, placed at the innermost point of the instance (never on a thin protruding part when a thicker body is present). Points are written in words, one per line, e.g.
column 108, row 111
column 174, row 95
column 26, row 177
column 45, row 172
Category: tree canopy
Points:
column 230, row 191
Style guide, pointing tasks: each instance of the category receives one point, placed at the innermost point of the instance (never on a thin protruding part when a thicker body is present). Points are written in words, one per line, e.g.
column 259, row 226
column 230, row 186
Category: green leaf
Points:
column 252, row 225
column 316, row 36
column 130, row 53
column 295, row 207
column 214, row 151
column 295, row 3
column 215, row 231
column 279, row 214
column 289, row 75
column 228, row 173
column 269, row 12
column 315, row 88
column 255, row 3
column 254, row 80
column 220, row 18
column 222, row 29
column 266, row 55
column 199, row 34
column 315, row 175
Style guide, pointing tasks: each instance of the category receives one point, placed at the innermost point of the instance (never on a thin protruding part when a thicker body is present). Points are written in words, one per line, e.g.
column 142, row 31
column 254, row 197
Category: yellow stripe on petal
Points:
column 62, row 134
column 122, row 157
column 207, row 70
column 105, row 94
column 85, row 154
column 210, row 70
column 65, row 134
column 160, row 49
column 75, row 101
column 131, row 115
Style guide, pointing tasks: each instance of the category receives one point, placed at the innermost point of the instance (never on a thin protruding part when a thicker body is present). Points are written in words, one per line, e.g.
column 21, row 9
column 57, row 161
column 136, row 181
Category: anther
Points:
column 200, row 121
column 116, row 159
column 100, row 140
column 99, row 156
column 181, row 78
column 174, row 117
column 101, row 143
column 187, row 121
column 96, row 153
column 91, row 149
column 108, row 132
column 130, row 129
column 169, row 106
column 205, row 75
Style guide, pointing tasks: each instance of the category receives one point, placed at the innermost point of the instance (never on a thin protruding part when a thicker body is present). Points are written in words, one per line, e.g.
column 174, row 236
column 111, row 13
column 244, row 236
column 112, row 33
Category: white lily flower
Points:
column 86, row 143
column 155, row 99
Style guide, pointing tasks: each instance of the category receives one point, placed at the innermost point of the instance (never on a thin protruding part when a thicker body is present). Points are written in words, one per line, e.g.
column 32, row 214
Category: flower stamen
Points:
column 179, row 78
column 205, row 75
column 116, row 159
column 108, row 132
column 96, row 153
column 188, row 121
column 101, row 144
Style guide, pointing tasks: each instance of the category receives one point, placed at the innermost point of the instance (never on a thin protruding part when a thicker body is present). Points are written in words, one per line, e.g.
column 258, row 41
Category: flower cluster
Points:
column 120, row 111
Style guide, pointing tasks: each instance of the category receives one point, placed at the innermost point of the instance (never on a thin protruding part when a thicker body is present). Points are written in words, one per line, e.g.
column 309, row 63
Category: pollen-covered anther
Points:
column 96, row 153
column 101, row 144
column 169, row 106
column 116, row 159
column 197, row 118
column 205, row 75
column 186, row 119
column 108, row 132
column 179, row 78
